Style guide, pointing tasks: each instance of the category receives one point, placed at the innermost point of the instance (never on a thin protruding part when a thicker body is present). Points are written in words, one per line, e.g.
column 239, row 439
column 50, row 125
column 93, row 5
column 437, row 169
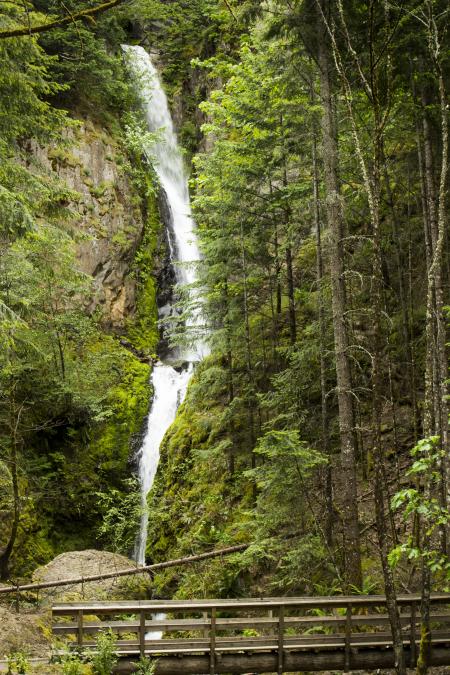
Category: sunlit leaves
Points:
column 420, row 503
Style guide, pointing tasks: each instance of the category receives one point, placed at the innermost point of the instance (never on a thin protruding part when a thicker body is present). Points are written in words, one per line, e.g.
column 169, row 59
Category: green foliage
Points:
column 283, row 453
column 87, row 61
column 421, row 502
column 128, row 398
column 189, row 31
column 72, row 664
column 105, row 657
column 145, row 666
column 15, row 217
column 282, row 479
column 121, row 515
column 25, row 86
column 197, row 503
column 233, row 461
column 70, row 383
column 143, row 329
column 18, row 663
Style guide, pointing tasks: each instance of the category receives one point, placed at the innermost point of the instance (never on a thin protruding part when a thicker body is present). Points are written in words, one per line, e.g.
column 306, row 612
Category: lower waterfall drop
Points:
column 169, row 390
column 169, row 380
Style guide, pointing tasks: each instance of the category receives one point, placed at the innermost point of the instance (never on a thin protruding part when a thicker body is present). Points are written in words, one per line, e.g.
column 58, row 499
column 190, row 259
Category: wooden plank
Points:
column 134, row 626
column 233, row 623
column 252, row 644
column 271, row 642
column 318, row 602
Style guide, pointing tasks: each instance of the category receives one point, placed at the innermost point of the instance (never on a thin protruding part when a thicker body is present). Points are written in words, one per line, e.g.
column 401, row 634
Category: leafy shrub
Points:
column 146, row 666
column 19, row 662
column 72, row 665
column 105, row 658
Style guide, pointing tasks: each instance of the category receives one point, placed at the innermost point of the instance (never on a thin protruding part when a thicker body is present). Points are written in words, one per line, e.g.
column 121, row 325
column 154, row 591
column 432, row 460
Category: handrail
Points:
column 310, row 602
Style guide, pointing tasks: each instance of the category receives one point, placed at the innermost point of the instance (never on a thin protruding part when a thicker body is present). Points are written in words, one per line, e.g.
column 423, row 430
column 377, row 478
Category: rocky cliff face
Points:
column 107, row 220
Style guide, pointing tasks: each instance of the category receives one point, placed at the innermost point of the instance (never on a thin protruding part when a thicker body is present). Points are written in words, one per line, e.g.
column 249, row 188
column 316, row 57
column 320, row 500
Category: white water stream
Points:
column 169, row 383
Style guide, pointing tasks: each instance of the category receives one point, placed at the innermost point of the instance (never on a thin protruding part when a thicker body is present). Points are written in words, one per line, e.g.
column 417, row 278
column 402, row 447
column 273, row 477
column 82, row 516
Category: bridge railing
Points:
column 281, row 625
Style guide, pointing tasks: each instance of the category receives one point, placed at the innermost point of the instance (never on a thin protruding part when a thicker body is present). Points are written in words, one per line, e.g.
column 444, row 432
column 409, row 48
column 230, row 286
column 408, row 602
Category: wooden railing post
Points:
column 280, row 639
column 348, row 636
column 142, row 633
column 212, row 646
column 80, row 627
column 412, row 636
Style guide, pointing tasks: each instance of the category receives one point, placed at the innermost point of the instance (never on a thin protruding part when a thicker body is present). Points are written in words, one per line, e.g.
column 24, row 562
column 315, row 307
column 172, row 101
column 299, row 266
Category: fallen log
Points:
column 146, row 569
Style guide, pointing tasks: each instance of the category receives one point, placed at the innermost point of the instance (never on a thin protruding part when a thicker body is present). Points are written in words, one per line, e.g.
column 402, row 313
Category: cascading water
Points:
column 169, row 383
column 169, row 388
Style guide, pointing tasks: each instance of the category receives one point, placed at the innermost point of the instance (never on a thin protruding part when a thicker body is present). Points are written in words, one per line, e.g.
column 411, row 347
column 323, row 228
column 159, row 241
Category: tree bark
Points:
column 435, row 403
column 229, row 368
column 323, row 370
column 348, row 484
column 290, row 286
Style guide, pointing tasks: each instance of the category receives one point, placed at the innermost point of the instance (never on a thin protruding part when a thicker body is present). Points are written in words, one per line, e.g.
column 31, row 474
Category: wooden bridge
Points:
column 257, row 635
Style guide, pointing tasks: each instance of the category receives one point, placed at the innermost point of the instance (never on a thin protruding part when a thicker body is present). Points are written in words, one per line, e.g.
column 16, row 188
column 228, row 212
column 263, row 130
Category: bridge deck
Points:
column 257, row 634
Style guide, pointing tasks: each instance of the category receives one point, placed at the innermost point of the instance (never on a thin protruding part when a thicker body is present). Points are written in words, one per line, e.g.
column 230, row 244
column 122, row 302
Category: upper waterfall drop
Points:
column 169, row 383
column 168, row 158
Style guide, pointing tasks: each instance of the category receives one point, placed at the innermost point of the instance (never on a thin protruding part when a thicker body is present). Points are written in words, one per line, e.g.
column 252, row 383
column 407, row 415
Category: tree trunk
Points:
column 436, row 350
column 348, row 484
column 322, row 347
column 290, row 285
column 230, row 380
column 435, row 403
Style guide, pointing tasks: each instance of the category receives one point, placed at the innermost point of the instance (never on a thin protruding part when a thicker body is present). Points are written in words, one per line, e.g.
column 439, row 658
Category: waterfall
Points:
column 169, row 383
